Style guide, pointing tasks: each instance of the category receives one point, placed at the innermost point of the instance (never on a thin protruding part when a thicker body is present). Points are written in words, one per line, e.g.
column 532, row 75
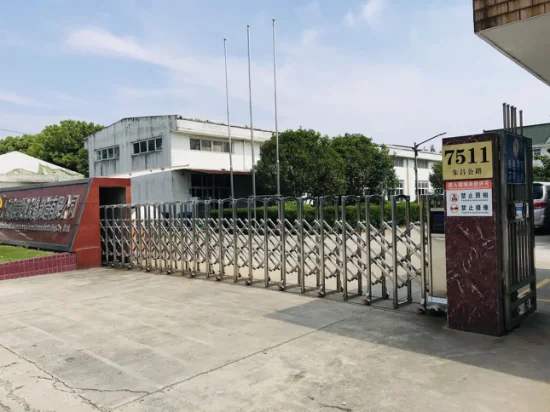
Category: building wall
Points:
column 123, row 134
column 153, row 188
column 406, row 172
column 196, row 159
column 493, row 13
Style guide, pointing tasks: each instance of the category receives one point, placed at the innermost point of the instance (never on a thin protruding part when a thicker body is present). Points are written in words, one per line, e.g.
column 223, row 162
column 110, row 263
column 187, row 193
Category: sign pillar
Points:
column 471, row 234
column 489, row 235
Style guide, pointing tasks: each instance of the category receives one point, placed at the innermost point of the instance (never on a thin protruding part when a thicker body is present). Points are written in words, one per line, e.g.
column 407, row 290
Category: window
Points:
column 195, row 144
column 209, row 145
column 149, row 145
column 536, row 152
column 399, row 162
column 108, row 153
column 422, row 164
column 399, row 190
column 207, row 186
column 423, row 187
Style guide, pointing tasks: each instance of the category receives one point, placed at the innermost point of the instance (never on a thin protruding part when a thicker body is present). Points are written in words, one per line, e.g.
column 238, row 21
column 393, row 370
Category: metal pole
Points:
column 228, row 122
column 251, row 118
column 415, row 173
column 521, row 122
column 276, row 116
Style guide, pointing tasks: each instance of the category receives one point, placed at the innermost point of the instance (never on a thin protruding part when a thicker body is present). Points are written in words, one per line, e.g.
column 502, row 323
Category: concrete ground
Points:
column 114, row 340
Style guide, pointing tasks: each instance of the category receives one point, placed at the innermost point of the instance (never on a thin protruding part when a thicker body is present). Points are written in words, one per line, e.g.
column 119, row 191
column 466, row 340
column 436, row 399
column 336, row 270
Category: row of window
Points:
column 108, row 153
column 423, row 188
column 143, row 146
column 400, row 162
column 149, row 145
column 210, row 145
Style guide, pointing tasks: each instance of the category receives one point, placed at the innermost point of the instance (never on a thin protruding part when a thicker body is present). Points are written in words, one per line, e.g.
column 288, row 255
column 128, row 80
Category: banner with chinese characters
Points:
column 515, row 159
column 469, row 198
column 467, row 161
column 45, row 216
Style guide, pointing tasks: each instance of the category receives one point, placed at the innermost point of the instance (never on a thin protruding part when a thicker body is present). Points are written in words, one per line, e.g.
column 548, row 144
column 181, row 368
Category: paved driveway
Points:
column 132, row 341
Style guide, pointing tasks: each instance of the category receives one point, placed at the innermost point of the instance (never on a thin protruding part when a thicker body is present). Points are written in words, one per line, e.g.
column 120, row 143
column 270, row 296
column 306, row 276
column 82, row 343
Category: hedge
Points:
column 329, row 213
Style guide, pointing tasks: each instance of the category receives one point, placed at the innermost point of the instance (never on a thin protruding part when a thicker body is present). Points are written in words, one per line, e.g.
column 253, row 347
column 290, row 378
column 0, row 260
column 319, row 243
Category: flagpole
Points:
column 251, row 118
column 228, row 122
column 276, row 117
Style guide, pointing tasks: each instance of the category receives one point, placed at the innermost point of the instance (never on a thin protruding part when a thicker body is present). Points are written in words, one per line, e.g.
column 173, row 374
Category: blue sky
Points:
column 396, row 70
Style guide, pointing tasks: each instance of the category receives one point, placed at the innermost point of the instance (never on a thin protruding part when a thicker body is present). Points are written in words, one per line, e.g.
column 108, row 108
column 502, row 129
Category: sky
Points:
column 398, row 71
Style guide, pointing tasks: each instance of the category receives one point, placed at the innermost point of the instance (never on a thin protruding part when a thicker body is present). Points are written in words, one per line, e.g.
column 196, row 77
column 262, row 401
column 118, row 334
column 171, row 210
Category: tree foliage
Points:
column 317, row 165
column 308, row 165
column 367, row 165
column 436, row 177
column 541, row 173
column 61, row 144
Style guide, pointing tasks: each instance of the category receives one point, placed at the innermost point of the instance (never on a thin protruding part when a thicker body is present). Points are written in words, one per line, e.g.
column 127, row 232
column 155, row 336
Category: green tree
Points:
column 541, row 173
column 61, row 144
column 436, row 177
column 308, row 165
column 367, row 165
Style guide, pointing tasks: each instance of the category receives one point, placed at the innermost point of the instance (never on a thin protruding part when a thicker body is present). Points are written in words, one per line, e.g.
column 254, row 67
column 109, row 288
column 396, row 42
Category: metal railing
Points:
column 323, row 245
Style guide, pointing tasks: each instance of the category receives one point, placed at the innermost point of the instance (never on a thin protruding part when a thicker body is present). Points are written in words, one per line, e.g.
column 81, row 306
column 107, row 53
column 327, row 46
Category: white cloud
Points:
column 369, row 13
column 15, row 98
column 442, row 82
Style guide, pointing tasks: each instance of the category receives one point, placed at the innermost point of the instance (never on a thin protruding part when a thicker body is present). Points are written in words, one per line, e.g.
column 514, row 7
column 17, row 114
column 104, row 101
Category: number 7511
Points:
column 460, row 157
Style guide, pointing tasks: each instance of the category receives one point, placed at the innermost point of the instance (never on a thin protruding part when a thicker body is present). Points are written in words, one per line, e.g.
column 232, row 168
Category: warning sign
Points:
column 470, row 198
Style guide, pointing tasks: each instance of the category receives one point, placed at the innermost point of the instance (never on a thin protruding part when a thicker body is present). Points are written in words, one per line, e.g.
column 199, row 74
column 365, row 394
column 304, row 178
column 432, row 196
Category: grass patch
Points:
column 13, row 253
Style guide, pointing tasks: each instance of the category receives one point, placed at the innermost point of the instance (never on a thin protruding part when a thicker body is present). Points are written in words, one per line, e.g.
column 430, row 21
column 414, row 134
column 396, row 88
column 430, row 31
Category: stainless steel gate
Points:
column 517, row 227
column 324, row 245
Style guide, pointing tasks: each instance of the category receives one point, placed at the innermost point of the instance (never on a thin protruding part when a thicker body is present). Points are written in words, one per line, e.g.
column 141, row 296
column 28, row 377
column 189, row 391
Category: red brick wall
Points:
column 60, row 262
column 492, row 13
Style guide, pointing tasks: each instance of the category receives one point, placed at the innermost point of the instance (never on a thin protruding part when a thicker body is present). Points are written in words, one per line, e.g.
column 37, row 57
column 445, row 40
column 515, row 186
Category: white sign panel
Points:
column 469, row 198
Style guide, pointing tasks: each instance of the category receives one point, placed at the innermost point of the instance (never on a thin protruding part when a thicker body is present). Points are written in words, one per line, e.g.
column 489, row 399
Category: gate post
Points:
column 490, row 288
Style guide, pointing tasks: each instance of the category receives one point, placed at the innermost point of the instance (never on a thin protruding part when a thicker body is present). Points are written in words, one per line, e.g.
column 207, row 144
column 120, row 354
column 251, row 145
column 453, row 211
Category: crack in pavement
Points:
column 8, row 365
column 341, row 408
column 54, row 379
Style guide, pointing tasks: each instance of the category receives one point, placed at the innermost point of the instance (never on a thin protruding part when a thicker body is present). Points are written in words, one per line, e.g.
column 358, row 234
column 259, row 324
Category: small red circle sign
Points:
column 454, row 208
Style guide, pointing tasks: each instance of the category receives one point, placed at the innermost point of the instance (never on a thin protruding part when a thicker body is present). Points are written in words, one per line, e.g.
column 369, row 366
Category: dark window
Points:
column 422, row 164
column 217, row 146
column 399, row 162
column 111, row 153
column 151, row 145
column 143, row 147
column 117, row 152
column 538, row 191
column 206, row 145
column 136, row 148
column 195, row 144
column 159, row 143
column 196, row 180
column 226, row 147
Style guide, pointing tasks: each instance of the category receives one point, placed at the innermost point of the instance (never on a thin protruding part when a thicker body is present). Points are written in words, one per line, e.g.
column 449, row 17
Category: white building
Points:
column 404, row 169
column 171, row 158
column 19, row 169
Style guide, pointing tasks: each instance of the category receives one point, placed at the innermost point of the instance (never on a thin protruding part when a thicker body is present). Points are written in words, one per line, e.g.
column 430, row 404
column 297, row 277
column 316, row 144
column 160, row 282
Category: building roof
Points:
column 538, row 133
column 17, row 164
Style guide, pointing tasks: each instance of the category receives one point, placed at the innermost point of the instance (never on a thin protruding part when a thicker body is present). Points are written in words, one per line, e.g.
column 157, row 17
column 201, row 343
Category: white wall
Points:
column 197, row 159
column 406, row 173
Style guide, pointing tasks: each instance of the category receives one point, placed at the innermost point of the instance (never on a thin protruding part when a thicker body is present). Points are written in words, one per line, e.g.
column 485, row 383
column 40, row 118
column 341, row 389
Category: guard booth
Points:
column 489, row 229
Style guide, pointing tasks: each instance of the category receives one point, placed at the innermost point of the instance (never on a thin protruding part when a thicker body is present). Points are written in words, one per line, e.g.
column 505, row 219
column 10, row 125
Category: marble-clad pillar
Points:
column 472, row 246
